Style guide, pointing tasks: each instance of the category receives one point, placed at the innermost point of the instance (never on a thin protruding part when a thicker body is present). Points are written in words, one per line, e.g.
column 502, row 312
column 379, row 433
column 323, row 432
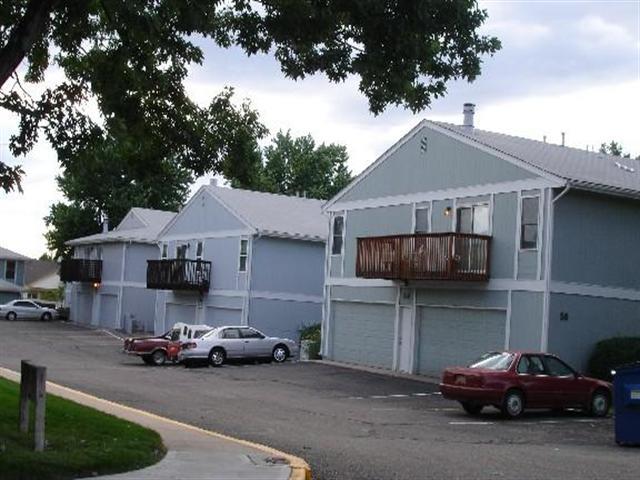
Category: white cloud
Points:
column 596, row 32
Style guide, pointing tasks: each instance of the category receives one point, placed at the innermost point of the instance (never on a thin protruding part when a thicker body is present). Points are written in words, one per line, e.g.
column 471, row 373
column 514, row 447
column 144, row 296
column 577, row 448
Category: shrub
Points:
column 312, row 333
column 611, row 353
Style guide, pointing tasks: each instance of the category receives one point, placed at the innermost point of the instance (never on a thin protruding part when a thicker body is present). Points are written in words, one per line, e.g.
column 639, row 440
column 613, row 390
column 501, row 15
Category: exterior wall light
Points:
column 96, row 285
column 447, row 212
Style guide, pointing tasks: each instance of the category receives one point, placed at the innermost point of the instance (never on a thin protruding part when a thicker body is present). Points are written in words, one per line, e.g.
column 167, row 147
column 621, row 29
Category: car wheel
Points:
column 513, row 404
column 217, row 356
column 46, row 317
column 472, row 408
column 11, row 316
column 600, row 404
column 159, row 357
column 280, row 353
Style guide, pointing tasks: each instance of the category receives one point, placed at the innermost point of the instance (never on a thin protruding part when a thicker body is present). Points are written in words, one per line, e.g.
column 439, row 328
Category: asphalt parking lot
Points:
column 347, row 424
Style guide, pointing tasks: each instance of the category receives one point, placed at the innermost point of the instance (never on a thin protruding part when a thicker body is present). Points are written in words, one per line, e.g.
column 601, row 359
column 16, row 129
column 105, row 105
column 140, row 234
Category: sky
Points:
column 565, row 66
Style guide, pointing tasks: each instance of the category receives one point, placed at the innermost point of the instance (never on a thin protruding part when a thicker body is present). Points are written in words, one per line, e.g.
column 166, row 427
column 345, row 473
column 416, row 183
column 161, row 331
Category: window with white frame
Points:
column 473, row 219
column 421, row 219
column 165, row 251
column 242, row 262
column 181, row 250
column 530, row 211
column 337, row 235
column 199, row 249
column 10, row 270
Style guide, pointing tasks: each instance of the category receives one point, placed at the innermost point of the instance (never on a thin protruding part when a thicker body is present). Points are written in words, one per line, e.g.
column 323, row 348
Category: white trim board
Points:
column 599, row 291
column 446, row 194
column 492, row 284
column 287, row 297
column 206, row 235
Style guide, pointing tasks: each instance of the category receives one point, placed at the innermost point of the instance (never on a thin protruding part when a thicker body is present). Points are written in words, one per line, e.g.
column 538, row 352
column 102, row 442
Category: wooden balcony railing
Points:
column 429, row 256
column 179, row 274
column 81, row 270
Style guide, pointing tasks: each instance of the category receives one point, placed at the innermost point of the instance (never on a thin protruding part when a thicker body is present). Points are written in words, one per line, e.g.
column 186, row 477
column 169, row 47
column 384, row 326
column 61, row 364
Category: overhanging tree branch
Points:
column 23, row 36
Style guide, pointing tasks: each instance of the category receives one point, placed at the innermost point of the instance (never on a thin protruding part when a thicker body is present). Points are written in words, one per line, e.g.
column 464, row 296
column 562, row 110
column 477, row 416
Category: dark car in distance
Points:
column 515, row 381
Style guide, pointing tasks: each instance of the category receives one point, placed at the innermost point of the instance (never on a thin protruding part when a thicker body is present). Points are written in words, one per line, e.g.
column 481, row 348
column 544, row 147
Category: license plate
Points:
column 635, row 395
column 460, row 380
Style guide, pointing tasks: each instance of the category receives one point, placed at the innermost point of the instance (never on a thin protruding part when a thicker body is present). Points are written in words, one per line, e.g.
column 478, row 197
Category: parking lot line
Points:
column 112, row 334
column 471, row 423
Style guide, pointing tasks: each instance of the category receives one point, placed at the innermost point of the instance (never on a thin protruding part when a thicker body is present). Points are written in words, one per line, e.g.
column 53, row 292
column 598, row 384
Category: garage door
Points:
column 84, row 302
column 216, row 316
column 450, row 337
column 109, row 311
column 179, row 313
column 363, row 333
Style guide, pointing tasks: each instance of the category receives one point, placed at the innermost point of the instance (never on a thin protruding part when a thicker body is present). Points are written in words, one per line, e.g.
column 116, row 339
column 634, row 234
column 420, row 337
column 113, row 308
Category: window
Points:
column 181, row 251
column 529, row 223
column 231, row 333
column 199, row 247
column 165, row 251
column 242, row 266
column 250, row 333
column 175, row 335
column 99, row 253
column 494, row 361
column 422, row 220
column 25, row 305
column 10, row 271
column 531, row 365
column 558, row 368
column 473, row 219
column 336, row 238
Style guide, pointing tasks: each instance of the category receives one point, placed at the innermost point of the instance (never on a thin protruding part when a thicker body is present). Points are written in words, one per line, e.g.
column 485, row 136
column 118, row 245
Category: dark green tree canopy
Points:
column 614, row 148
column 131, row 57
column 296, row 166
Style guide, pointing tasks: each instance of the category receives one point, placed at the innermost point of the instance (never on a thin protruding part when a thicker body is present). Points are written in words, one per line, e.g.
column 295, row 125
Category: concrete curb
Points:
column 300, row 469
column 380, row 371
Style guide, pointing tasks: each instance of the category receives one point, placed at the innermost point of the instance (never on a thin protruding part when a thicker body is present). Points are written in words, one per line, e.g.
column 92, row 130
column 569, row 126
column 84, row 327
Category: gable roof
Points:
column 6, row 254
column 275, row 215
column 565, row 165
column 581, row 168
column 154, row 221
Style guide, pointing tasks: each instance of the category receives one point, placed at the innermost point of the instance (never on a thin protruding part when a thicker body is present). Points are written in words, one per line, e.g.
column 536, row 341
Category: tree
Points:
column 614, row 148
column 132, row 58
column 296, row 166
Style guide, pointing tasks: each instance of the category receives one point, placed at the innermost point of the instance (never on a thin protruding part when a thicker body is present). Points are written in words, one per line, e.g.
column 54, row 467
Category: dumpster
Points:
column 626, row 395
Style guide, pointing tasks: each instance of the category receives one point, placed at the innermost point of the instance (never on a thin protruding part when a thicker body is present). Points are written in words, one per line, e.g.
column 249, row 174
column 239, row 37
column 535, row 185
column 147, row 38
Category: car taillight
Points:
column 187, row 346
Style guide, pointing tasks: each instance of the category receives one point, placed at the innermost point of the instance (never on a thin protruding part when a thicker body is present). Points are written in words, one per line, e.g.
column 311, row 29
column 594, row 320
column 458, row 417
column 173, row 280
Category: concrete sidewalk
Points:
column 192, row 453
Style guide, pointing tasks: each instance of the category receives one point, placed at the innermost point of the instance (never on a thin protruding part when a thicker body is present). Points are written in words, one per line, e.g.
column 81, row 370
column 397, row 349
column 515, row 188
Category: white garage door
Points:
column 177, row 312
column 216, row 316
column 109, row 311
column 451, row 337
column 363, row 333
column 84, row 304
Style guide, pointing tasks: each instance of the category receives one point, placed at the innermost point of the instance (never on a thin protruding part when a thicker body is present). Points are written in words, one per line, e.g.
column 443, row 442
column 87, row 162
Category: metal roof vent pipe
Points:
column 213, row 182
column 563, row 139
column 105, row 224
column 468, row 109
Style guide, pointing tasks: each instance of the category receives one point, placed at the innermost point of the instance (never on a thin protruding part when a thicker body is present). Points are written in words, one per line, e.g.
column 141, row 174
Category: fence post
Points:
column 33, row 387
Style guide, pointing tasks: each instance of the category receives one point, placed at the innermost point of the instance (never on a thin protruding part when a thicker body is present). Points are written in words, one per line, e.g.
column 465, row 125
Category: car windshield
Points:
column 494, row 361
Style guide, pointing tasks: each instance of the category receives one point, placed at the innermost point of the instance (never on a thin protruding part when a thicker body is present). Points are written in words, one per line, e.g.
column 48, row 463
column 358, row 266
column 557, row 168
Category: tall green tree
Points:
column 131, row 58
column 614, row 148
column 297, row 166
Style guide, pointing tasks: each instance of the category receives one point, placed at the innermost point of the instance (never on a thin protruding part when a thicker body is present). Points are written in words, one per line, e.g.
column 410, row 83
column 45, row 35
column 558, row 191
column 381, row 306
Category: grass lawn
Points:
column 81, row 442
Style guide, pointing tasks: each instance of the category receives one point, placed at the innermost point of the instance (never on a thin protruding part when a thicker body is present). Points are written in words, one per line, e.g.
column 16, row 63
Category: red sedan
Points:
column 513, row 381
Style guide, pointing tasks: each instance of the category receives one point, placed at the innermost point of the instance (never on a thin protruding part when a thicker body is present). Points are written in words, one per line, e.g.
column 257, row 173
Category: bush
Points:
column 312, row 334
column 611, row 353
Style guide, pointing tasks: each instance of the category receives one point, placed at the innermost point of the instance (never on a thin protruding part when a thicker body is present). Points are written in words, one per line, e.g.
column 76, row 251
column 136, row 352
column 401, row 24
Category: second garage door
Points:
column 217, row 317
column 451, row 337
column 363, row 333
column 109, row 311
column 177, row 312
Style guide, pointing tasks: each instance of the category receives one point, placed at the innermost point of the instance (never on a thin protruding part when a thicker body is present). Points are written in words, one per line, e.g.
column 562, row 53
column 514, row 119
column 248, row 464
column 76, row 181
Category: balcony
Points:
column 179, row 274
column 81, row 270
column 429, row 256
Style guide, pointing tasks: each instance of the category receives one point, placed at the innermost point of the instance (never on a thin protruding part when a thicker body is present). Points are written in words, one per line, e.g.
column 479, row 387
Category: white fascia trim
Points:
column 355, row 300
column 228, row 293
column 110, row 283
column 390, row 151
column 600, row 291
column 292, row 236
column 463, row 307
column 206, row 235
column 287, row 297
column 449, row 193
column 492, row 284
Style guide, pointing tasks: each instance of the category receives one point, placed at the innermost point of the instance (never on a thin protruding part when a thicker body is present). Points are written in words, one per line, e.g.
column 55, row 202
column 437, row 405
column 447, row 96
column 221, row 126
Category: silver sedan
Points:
column 222, row 343
column 24, row 309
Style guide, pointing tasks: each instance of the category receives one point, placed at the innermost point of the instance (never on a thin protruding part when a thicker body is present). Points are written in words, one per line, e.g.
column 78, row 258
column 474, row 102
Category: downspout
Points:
column 551, row 201
column 122, row 266
column 250, row 274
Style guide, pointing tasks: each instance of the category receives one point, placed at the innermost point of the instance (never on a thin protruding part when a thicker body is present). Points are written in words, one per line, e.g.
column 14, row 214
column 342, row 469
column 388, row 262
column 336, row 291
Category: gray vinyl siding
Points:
column 175, row 313
column 596, row 240
column 136, row 257
column 448, row 163
column 439, row 221
column 589, row 320
column 281, row 318
column 130, row 221
column 372, row 223
column 528, row 265
column 526, row 321
column 363, row 333
column 108, row 311
column 203, row 214
column 462, row 298
column 505, row 211
column 280, row 265
column 223, row 254
column 111, row 262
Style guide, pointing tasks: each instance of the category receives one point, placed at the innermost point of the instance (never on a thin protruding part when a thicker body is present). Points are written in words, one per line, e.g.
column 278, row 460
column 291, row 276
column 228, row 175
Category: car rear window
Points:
column 494, row 361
